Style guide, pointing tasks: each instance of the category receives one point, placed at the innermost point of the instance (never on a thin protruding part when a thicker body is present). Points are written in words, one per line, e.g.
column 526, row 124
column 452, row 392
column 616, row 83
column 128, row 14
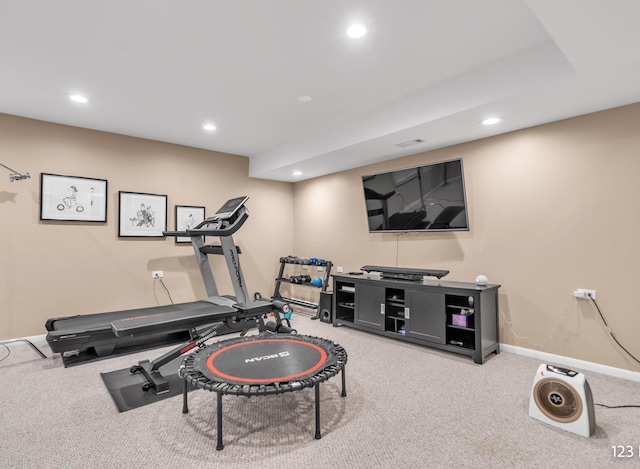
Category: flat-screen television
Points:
column 430, row 197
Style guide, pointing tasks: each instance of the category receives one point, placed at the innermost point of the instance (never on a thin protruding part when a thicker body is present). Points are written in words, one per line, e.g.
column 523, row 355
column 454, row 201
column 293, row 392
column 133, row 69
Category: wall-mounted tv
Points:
column 425, row 198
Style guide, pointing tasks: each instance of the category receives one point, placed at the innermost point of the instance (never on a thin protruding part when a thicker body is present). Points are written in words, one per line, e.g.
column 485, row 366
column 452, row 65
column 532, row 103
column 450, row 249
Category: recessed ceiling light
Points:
column 297, row 173
column 78, row 98
column 209, row 127
column 356, row 30
column 491, row 120
column 304, row 99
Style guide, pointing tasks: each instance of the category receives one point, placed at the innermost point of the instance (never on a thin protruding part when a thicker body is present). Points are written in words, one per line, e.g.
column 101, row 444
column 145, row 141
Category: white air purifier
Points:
column 562, row 398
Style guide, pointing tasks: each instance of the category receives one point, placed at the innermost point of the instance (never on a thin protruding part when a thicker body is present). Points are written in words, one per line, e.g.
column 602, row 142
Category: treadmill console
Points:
column 226, row 221
column 230, row 208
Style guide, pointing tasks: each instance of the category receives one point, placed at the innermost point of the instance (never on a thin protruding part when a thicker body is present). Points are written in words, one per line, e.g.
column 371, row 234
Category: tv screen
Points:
column 425, row 198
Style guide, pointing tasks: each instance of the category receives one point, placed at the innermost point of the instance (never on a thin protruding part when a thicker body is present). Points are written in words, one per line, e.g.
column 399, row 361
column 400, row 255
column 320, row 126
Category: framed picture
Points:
column 72, row 198
column 187, row 217
column 142, row 215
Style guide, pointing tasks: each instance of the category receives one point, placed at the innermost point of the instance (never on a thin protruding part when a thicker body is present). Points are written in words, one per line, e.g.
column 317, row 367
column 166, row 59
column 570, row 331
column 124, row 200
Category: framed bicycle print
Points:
column 72, row 198
column 187, row 217
column 141, row 215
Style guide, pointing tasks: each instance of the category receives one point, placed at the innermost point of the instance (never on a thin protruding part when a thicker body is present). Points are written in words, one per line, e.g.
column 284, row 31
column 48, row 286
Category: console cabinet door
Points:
column 369, row 306
column 427, row 316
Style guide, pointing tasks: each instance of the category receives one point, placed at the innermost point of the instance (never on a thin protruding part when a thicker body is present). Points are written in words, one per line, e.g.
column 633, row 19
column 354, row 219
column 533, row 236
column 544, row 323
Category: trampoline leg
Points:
column 344, row 384
column 219, row 446
column 185, row 407
column 318, row 435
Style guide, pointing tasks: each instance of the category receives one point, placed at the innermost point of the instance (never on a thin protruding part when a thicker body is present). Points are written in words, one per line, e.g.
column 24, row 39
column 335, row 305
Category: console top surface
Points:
column 377, row 278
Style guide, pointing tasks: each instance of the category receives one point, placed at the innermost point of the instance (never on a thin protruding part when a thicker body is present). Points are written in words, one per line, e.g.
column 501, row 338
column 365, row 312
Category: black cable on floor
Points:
column 26, row 341
column 8, row 352
column 616, row 406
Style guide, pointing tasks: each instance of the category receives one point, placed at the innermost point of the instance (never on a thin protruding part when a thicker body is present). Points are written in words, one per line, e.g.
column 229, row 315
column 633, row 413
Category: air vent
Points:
column 408, row 143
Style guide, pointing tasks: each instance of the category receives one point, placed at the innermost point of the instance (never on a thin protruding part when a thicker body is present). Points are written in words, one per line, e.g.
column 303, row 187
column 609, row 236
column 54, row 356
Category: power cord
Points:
column 398, row 245
column 26, row 341
column 616, row 406
column 8, row 352
column 166, row 289
column 604, row 321
column 613, row 336
column 553, row 331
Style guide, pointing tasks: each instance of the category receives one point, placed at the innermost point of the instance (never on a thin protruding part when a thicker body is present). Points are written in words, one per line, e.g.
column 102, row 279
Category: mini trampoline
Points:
column 263, row 365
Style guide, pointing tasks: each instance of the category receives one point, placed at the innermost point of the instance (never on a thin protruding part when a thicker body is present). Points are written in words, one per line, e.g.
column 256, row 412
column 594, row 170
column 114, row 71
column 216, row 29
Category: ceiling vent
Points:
column 408, row 143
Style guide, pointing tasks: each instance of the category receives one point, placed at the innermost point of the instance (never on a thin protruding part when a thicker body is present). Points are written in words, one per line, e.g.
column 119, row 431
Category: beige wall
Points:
column 552, row 209
column 52, row 269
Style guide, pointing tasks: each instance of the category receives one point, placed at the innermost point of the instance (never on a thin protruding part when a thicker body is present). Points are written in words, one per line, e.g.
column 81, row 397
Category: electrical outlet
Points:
column 340, row 270
column 582, row 293
column 157, row 274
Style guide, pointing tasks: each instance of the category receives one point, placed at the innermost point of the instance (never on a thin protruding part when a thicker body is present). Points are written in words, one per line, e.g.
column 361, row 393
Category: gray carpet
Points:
column 406, row 407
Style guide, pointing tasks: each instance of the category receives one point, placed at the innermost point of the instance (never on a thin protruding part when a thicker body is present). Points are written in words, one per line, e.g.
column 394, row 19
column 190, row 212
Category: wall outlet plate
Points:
column 582, row 293
column 157, row 274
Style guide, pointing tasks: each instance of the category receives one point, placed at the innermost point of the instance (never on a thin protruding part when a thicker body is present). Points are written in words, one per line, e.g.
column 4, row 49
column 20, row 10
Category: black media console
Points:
column 454, row 316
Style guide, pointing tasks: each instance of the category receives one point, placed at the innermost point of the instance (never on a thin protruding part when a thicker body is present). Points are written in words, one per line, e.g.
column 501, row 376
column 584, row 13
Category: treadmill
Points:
column 87, row 337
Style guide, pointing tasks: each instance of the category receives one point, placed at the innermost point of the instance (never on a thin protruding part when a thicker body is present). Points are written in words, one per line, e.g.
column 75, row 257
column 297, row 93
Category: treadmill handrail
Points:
column 175, row 233
column 203, row 229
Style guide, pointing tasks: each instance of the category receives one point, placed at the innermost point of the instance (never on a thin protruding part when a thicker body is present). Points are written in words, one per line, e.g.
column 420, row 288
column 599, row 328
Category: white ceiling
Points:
column 426, row 69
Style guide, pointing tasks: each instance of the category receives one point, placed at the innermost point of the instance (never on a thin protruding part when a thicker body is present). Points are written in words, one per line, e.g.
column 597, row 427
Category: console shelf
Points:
column 455, row 316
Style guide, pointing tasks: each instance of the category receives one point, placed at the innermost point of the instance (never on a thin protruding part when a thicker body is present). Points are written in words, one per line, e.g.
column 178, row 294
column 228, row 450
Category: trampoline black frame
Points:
column 196, row 378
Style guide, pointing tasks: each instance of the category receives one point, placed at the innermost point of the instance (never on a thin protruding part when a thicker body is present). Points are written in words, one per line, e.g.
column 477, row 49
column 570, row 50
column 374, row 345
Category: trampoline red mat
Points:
column 262, row 361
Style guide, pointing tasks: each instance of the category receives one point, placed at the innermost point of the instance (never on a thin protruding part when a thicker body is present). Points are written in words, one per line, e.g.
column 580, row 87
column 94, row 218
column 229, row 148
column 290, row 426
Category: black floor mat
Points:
column 126, row 387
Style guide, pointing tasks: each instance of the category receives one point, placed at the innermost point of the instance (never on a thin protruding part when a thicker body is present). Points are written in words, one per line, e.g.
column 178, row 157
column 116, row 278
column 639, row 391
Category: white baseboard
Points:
column 571, row 362
column 33, row 338
column 542, row 356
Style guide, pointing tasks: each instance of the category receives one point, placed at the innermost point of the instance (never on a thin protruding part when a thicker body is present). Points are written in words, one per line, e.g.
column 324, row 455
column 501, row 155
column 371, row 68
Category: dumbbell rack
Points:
column 292, row 260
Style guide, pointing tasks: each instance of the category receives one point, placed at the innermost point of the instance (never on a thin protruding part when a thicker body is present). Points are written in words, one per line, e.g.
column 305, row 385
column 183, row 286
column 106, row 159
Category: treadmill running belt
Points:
column 170, row 321
column 88, row 337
